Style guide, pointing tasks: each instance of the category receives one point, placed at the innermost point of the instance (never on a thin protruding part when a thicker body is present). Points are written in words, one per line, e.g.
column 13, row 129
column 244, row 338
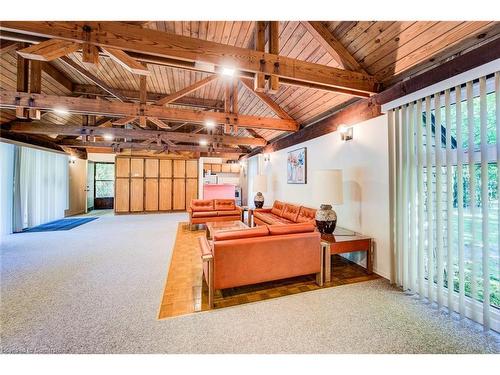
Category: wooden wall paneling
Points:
column 165, row 194
column 136, row 167
column 122, row 194
column 191, row 190
column 179, row 193
column 235, row 168
column 137, row 194
column 180, row 168
column 216, row 168
column 122, row 167
column 192, row 168
column 165, row 168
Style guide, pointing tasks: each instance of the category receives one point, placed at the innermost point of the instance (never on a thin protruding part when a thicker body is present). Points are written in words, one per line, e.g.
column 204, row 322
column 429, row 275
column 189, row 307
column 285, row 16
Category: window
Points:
column 104, row 180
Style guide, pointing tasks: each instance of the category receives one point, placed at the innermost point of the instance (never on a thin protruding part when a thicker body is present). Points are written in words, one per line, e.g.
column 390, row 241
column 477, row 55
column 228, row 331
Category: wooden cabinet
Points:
column 226, row 168
column 122, row 166
column 235, row 168
column 216, row 168
column 165, row 194
column 122, row 192
column 179, row 194
column 136, row 194
column 152, row 184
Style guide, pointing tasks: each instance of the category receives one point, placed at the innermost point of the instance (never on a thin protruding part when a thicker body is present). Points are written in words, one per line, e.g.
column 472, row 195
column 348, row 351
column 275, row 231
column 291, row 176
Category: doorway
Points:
column 104, row 185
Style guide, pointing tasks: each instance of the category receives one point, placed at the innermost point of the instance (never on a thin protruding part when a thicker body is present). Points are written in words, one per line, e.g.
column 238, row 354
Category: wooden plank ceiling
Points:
column 388, row 50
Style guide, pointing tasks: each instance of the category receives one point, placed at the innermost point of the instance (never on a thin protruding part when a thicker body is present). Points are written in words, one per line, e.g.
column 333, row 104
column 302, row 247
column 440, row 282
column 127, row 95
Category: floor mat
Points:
column 62, row 224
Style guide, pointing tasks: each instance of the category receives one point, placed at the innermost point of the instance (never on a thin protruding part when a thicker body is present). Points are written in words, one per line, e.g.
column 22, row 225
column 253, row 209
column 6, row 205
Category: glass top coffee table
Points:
column 223, row 226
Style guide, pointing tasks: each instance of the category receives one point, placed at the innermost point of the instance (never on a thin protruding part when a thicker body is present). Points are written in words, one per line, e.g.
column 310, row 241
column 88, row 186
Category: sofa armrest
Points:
column 239, row 209
column 205, row 248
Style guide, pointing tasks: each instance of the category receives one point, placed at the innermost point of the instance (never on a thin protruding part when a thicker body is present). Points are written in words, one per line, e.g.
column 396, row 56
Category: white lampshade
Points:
column 328, row 186
column 260, row 183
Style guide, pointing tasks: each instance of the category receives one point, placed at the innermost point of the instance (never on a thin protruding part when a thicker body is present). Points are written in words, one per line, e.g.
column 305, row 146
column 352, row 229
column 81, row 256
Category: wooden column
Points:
column 142, row 98
column 260, row 43
column 274, row 48
column 35, row 85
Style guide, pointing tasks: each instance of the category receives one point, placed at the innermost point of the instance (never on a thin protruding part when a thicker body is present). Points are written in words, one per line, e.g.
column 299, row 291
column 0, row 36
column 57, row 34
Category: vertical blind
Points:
column 444, row 156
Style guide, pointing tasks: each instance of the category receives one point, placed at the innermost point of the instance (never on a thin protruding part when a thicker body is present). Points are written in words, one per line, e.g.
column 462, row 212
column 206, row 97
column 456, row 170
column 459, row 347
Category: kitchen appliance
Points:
column 237, row 195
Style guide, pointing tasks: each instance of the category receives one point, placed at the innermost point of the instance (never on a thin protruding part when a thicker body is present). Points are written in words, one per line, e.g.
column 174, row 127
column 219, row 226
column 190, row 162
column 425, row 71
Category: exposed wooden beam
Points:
column 124, row 120
column 91, row 77
column 151, row 146
column 44, row 128
column 12, row 99
column 90, row 54
column 333, row 46
column 152, row 42
column 127, row 62
column 192, row 66
column 22, row 76
column 362, row 110
column 35, row 87
column 274, row 36
column 57, row 75
column 34, row 140
column 49, row 50
column 260, row 45
column 235, row 96
column 267, row 100
column 132, row 95
column 187, row 90
column 76, row 152
column 7, row 46
column 159, row 123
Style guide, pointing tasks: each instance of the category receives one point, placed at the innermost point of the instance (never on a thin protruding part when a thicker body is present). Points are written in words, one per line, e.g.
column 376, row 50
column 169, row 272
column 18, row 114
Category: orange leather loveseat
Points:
column 284, row 213
column 204, row 210
column 255, row 255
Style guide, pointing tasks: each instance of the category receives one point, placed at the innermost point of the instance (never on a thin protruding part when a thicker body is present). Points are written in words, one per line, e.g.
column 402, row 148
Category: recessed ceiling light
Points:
column 210, row 124
column 61, row 111
column 227, row 72
column 108, row 137
column 203, row 142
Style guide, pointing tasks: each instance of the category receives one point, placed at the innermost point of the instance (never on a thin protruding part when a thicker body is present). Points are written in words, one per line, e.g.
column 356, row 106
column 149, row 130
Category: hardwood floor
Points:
column 185, row 291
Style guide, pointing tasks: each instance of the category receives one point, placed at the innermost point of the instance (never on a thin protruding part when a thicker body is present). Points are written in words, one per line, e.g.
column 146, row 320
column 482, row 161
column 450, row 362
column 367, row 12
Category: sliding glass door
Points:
column 445, row 156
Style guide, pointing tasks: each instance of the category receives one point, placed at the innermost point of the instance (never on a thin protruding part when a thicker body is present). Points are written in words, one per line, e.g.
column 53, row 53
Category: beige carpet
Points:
column 95, row 289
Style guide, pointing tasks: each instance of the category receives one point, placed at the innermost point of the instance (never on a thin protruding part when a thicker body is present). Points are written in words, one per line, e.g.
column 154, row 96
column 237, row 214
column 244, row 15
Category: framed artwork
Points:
column 296, row 166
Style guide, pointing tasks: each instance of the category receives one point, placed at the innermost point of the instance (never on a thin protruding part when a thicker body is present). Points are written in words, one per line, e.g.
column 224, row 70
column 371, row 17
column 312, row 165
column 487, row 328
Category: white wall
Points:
column 364, row 161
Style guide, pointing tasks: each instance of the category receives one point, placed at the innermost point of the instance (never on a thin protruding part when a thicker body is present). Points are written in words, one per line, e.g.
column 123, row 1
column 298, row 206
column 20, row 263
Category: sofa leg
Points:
column 211, row 284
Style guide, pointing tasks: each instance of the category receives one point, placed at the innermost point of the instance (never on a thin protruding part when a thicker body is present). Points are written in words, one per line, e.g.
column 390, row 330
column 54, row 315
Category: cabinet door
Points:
column 226, row 168
column 180, row 168
column 207, row 167
column 122, row 195
column 235, row 168
column 151, row 196
column 216, row 167
column 165, row 168
column 122, row 167
column 179, row 200
column 165, row 203
column 136, row 167
column 191, row 190
column 192, row 168
column 151, row 167
column 136, row 194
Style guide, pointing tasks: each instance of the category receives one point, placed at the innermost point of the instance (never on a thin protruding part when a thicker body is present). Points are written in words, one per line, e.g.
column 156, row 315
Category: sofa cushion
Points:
column 290, row 212
column 290, row 228
column 277, row 208
column 204, row 213
column 306, row 215
column 224, row 204
column 202, row 205
column 228, row 213
column 241, row 233
column 269, row 218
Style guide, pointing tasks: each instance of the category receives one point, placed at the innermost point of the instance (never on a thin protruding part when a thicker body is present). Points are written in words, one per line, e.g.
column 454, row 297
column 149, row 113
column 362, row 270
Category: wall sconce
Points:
column 267, row 157
column 345, row 132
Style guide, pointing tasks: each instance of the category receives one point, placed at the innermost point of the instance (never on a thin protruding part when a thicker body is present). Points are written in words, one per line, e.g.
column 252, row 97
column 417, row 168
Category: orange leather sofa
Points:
column 204, row 210
column 255, row 255
column 284, row 213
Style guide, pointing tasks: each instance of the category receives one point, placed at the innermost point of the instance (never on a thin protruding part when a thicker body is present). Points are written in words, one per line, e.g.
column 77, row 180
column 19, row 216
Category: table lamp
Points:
column 259, row 185
column 327, row 190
